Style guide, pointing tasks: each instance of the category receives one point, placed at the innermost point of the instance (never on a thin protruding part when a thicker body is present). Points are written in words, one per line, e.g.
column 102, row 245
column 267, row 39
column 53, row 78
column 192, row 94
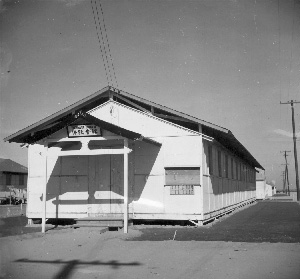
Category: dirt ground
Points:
column 170, row 252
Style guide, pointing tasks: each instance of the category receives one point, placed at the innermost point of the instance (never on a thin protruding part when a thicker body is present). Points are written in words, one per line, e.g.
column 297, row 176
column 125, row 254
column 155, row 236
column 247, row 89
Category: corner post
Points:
column 45, row 188
column 125, row 185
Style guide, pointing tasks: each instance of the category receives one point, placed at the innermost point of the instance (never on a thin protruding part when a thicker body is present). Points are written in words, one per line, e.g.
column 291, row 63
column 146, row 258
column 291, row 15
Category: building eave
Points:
column 61, row 118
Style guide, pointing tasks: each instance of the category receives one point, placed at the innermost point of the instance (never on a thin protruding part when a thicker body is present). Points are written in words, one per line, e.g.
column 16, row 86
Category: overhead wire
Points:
column 108, row 46
column 292, row 42
column 100, row 45
column 279, row 60
column 104, row 44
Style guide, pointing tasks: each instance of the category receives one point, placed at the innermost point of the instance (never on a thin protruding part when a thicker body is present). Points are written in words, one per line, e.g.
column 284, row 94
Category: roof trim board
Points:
column 181, row 114
column 56, row 116
column 148, row 115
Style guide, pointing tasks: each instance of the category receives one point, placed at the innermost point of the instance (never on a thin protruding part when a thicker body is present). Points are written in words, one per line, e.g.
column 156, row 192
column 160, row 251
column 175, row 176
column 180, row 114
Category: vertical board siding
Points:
column 229, row 183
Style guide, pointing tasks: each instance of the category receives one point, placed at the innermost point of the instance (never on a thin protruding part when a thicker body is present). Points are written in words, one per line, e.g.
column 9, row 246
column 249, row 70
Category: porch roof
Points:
column 51, row 128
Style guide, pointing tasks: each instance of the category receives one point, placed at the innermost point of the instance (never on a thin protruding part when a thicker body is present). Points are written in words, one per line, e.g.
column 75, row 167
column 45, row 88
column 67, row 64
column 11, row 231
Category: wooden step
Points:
column 88, row 225
column 99, row 222
column 92, row 219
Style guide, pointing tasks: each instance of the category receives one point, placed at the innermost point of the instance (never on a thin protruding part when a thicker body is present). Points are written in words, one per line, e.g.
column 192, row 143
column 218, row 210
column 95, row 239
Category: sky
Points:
column 228, row 62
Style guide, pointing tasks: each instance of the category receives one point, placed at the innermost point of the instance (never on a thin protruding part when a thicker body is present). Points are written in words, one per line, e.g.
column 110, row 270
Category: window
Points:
column 226, row 166
column 8, row 179
column 232, row 170
column 210, row 160
column 182, row 179
column 219, row 164
column 242, row 172
column 21, row 179
column 236, row 170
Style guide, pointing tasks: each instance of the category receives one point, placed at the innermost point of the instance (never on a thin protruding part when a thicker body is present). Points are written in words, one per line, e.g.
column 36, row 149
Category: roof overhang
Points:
column 64, row 117
column 43, row 131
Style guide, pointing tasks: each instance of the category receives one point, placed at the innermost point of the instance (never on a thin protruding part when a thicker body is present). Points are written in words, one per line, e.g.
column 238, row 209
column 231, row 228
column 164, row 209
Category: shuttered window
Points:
column 21, row 179
column 219, row 164
column 232, row 169
column 8, row 179
column 182, row 176
column 210, row 160
column 226, row 166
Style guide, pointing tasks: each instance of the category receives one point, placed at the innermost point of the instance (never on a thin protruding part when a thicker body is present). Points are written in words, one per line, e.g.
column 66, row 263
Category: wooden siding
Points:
column 230, row 182
column 148, row 194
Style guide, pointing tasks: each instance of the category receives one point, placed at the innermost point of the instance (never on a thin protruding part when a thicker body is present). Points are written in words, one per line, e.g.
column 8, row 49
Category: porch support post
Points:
column 45, row 189
column 125, row 187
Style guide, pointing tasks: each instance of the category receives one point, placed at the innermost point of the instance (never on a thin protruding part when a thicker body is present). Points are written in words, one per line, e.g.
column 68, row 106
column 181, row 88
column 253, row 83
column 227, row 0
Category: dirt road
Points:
column 85, row 253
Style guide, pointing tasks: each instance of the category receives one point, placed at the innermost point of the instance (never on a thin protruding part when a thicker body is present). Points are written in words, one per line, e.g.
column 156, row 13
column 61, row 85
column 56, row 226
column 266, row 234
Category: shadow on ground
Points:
column 263, row 222
column 68, row 267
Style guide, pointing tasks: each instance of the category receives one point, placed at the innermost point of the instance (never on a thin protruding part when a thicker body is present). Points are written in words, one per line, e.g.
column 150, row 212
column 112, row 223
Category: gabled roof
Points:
column 7, row 165
column 64, row 117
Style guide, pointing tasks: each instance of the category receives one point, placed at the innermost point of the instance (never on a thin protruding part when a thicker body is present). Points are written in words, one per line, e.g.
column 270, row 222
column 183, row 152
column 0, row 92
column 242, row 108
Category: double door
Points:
column 106, row 184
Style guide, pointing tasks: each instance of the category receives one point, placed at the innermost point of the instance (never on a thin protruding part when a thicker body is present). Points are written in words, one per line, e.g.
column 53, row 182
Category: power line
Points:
column 104, row 43
column 291, row 59
column 110, row 56
column 100, row 45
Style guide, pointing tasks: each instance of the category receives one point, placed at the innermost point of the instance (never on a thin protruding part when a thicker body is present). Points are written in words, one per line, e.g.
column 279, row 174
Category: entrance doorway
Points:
column 106, row 185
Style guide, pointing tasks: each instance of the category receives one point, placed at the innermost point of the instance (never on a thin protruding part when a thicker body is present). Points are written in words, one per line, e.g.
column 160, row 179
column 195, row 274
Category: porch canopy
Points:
column 43, row 129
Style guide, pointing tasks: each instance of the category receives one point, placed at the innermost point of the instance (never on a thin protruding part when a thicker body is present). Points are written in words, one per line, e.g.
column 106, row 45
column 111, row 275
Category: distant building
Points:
column 13, row 178
column 264, row 188
column 270, row 189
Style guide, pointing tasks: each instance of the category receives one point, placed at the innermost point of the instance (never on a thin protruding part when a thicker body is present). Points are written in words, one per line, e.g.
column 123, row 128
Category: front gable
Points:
column 138, row 121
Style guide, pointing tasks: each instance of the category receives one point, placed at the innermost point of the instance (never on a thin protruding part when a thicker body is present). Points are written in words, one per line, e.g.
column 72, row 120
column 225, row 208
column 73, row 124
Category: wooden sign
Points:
column 86, row 130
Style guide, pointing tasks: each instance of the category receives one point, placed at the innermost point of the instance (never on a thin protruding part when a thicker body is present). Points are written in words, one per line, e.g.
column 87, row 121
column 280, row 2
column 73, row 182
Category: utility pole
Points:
column 286, row 182
column 283, row 181
column 286, row 172
column 292, row 102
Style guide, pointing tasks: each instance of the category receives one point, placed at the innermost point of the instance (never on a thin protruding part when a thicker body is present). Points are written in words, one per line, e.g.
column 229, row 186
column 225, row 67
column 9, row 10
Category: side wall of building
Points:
column 15, row 180
column 228, row 181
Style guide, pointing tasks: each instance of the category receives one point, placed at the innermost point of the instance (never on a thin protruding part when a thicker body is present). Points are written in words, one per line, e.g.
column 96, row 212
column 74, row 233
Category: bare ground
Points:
column 88, row 253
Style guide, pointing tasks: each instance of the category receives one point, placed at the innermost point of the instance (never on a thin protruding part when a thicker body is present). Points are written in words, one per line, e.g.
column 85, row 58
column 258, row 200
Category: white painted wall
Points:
column 137, row 121
column 269, row 191
column 260, row 189
column 69, row 177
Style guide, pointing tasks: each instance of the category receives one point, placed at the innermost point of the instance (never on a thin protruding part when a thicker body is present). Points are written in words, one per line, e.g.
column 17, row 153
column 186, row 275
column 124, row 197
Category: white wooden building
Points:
column 114, row 154
column 261, row 188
